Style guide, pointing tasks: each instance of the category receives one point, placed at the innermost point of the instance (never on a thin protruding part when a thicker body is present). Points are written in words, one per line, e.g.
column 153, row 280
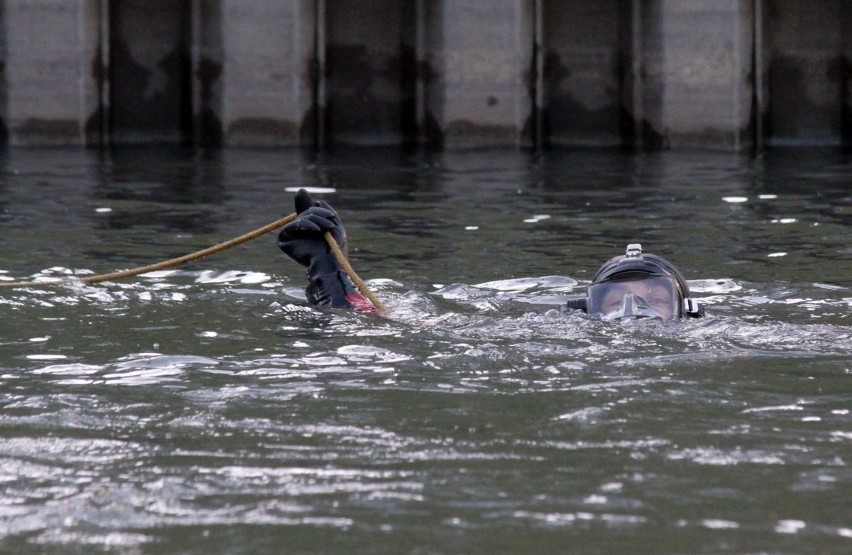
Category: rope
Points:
column 172, row 262
column 356, row 279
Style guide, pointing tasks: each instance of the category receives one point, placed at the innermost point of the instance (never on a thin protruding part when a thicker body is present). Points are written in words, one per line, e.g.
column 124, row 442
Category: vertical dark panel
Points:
column 409, row 72
column 150, row 94
column 97, row 124
column 583, row 71
column 806, row 73
column 760, row 92
column 846, row 73
column 4, row 132
column 648, row 58
column 369, row 69
column 207, row 73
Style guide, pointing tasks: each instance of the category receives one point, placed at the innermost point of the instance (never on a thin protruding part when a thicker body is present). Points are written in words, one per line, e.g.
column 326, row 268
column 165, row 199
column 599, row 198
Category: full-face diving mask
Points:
column 637, row 285
column 651, row 297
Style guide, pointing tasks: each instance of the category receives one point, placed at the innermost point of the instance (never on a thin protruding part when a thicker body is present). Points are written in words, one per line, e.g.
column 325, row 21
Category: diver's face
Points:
column 656, row 293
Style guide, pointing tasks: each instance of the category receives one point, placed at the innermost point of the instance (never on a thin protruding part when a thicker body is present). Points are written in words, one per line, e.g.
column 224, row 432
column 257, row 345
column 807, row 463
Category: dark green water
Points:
column 209, row 410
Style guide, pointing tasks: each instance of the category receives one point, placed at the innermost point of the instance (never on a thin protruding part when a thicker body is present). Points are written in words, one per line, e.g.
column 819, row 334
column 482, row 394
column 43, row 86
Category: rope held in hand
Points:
column 356, row 279
column 172, row 262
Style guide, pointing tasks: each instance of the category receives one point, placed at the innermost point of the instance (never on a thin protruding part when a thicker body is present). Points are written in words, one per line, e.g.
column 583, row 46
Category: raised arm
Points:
column 303, row 240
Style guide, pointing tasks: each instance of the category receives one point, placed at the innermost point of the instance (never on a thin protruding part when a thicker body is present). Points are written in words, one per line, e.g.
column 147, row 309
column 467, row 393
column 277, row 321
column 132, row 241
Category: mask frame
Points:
column 640, row 297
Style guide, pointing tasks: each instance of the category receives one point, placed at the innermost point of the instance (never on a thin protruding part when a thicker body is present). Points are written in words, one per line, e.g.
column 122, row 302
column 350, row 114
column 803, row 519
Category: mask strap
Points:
column 692, row 308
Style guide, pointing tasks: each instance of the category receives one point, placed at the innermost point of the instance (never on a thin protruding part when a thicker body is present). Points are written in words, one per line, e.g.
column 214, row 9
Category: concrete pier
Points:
column 255, row 72
column 725, row 74
column 478, row 72
column 695, row 64
column 50, row 73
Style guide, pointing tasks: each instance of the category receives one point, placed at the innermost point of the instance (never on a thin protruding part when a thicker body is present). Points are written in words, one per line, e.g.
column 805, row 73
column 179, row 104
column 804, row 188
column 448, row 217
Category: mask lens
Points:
column 654, row 297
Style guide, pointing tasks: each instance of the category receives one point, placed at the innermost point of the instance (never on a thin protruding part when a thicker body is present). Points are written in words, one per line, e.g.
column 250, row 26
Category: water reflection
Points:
column 209, row 408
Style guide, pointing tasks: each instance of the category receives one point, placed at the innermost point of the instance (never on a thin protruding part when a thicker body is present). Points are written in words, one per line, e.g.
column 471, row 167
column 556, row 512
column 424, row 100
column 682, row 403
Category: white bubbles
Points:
column 316, row 190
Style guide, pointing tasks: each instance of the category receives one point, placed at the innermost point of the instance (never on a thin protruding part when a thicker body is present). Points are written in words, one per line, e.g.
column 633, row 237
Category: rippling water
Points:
column 208, row 409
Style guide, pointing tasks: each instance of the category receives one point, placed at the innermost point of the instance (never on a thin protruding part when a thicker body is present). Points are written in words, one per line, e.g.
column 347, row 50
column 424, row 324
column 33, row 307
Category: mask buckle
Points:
column 634, row 250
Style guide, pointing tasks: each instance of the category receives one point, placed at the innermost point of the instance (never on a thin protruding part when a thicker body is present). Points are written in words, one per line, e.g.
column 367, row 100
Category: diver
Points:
column 637, row 285
column 632, row 286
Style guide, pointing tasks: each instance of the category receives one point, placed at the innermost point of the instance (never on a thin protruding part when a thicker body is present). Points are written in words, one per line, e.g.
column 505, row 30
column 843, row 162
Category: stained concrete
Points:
column 648, row 74
column 49, row 90
column 695, row 84
column 481, row 57
column 259, row 59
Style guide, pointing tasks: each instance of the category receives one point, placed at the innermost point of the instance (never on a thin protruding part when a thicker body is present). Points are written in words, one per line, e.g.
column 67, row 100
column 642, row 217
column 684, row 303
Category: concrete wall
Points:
column 695, row 85
column 729, row 74
column 478, row 72
column 256, row 72
column 49, row 72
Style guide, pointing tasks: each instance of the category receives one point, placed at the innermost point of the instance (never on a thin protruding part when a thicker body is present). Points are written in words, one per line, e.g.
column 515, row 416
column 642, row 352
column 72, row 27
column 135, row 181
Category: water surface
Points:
column 208, row 409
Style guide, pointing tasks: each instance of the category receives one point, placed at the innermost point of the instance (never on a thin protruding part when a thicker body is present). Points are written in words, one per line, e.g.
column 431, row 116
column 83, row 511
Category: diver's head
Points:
column 637, row 285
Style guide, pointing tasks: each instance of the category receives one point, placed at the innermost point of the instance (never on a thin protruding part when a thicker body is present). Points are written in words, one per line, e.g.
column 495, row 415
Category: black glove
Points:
column 303, row 240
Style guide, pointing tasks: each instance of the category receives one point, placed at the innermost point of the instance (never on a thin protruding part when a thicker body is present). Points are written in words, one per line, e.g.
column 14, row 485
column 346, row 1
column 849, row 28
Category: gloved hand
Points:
column 303, row 240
